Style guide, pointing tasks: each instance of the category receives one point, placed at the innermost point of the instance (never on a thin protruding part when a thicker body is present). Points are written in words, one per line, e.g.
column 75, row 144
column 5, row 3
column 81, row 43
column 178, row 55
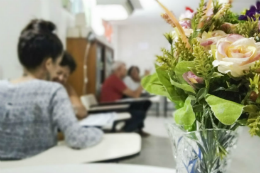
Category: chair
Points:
column 91, row 104
column 112, row 147
column 88, row 101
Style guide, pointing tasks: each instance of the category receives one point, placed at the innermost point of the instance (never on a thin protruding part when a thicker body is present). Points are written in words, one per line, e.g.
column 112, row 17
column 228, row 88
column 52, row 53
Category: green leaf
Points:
column 227, row 112
column 198, row 108
column 232, row 88
column 201, row 94
column 242, row 122
column 184, row 87
column 185, row 116
column 216, row 75
column 153, row 85
column 258, row 100
column 183, row 67
column 214, row 50
column 251, row 109
column 164, row 78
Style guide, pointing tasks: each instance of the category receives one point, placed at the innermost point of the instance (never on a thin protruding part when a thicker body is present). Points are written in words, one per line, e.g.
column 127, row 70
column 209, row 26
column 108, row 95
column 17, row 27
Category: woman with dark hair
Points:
column 32, row 109
column 132, row 80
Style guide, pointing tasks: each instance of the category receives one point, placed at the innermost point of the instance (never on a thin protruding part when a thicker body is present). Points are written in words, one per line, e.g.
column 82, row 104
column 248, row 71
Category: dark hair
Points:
column 38, row 42
column 68, row 60
column 131, row 69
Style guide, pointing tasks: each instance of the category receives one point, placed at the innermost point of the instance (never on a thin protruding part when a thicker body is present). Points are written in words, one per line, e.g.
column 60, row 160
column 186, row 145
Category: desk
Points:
column 110, row 107
column 113, row 146
column 129, row 100
column 122, row 116
column 90, row 168
column 119, row 118
column 153, row 99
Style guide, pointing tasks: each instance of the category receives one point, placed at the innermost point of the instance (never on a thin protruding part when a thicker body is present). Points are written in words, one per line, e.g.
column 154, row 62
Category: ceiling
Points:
column 150, row 12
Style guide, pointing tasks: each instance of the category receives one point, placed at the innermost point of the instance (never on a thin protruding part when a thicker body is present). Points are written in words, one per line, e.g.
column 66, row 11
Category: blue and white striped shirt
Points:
column 30, row 114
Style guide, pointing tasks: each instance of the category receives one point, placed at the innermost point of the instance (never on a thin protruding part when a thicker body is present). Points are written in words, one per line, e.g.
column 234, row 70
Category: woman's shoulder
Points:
column 37, row 86
column 47, row 85
column 128, row 79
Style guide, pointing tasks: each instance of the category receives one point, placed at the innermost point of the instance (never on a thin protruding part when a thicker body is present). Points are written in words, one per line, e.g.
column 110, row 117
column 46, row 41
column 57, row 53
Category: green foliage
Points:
column 254, row 125
column 227, row 112
column 248, row 28
column 220, row 101
column 181, row 68
column 184, row 87
column 254, row 84
column 216, row 6
column 255, row 68
column 257, row 37
column 169, row 37
column 167, row 60
column 153, row 85
column 184, row 53
column 230, row 17
column 219, row 18
column 176, row 95
column 222, row 15
column 253, row 121
column 185, row 116
column 203, row 60
column 198, row 15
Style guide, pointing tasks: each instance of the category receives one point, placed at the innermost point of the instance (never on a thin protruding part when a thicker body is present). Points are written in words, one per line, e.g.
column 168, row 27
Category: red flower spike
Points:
column 189, row 9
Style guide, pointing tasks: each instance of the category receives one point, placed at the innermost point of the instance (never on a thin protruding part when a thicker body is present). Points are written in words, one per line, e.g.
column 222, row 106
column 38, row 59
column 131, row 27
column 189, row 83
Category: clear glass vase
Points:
column 205, row 151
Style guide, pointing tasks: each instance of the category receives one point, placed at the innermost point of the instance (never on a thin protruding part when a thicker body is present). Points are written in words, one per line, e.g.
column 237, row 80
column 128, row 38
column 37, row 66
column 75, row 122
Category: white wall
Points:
column 138, row 44
column 14, row 15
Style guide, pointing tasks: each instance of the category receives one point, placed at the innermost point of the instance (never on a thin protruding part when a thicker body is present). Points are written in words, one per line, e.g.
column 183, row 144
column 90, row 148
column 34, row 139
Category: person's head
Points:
column 66, row 68
column 134, row 73
column 119, row 68
column 39, row 49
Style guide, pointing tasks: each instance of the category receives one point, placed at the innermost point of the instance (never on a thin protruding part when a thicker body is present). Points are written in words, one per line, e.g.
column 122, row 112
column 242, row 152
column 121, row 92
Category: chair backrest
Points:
column 88, row 100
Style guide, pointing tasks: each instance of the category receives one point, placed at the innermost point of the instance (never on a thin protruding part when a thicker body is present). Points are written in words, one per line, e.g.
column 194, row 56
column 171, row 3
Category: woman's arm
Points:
column 79, row 108
column 64, row 118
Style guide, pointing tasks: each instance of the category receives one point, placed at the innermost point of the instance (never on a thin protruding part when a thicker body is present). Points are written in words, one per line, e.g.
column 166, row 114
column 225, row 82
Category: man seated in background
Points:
column 32, row 109
column 114, row 89
column 65, row 69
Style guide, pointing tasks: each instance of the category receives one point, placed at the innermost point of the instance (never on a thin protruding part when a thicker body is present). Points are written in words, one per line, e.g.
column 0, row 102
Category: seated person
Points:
column 32, row 109
column 114, row 89
column 65, row 69
column 133, row 79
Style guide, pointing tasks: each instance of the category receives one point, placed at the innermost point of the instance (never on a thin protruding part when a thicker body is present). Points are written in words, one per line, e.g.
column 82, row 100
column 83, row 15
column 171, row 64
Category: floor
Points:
column 156, row 149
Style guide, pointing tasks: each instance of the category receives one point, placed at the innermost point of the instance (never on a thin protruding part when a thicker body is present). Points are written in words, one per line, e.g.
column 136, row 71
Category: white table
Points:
column 122, row 116
column 90, row 168
column 113, row 146
column 119, row 117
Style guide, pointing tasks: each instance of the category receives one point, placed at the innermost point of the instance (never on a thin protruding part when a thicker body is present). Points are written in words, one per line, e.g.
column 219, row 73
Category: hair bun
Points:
column 39, row 25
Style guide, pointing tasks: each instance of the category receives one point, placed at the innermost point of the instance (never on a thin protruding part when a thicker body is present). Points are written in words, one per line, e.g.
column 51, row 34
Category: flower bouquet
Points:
column 212, row 74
